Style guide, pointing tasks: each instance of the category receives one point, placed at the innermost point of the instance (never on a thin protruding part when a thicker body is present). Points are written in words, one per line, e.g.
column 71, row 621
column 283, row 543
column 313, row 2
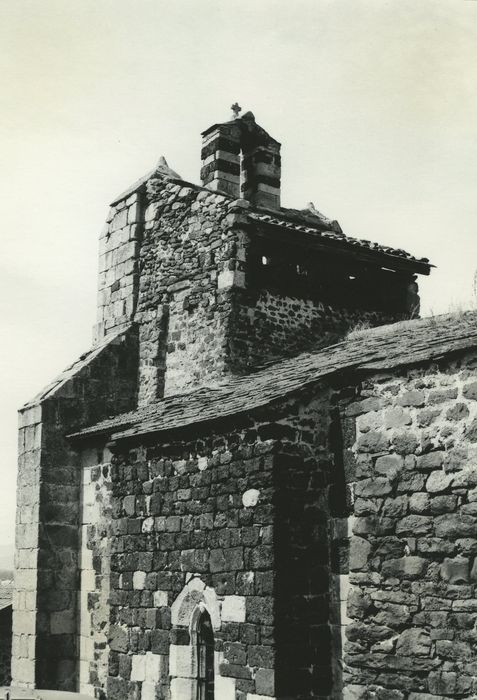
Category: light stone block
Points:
column 250, row 498
column 23, row 672
column 138, row 668
column 133, row 213
column 30, row 600
column 119, row 220
column 230, row 278
column 150, row 212
column 261, row 187
column 87, row 689
column 202, row 463
column 148, row 691
column 147, row 525
column 139, row 580
column 345, row 620
column 86, row 558
column 86, row 648
column 24, row 622
column 182, row 688
column 25, row 580
column 153, row 667
column 233, row 608
column 225, row 688
column 180, row 661
column 88, row 580
column 29, row 416
column 344, row 586
column 161, row 599
column 225, row 279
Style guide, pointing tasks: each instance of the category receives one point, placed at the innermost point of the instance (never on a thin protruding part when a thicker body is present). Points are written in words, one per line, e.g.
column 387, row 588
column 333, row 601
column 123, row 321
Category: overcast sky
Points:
column 374, row 102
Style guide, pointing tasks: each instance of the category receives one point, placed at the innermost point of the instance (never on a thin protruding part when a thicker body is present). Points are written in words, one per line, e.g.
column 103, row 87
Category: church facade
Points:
column 233, row 494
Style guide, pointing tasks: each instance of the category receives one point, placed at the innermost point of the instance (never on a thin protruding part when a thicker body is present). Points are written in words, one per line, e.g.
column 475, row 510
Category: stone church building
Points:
column 261, row 481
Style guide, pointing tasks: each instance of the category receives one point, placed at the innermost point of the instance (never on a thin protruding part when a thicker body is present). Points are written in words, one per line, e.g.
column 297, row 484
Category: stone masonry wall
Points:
column 413, row 565
column 268, row 326
column 95, row 548
column 190, row 511
column 103, row 381
column 190, row 261
column 238, row 521
column 118, row 280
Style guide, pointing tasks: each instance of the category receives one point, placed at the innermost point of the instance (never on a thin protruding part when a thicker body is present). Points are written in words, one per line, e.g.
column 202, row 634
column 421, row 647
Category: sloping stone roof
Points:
column 386, row 347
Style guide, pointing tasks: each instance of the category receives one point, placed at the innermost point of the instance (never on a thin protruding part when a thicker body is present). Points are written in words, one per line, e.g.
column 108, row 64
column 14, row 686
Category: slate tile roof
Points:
column 383, row 348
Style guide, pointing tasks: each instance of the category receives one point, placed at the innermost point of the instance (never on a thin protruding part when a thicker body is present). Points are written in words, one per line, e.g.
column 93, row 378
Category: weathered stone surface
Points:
column 454, row 525
column 413, row 642
column 378, row 486
column 428, row 546
column 430, row 461
column 373, row 442
column 435, row 545
column 471, row 431
column 395, row 507
column 405, row 443
column 470, row 391
column 396, row 417
column 409, row 567
column 412, row 398
column 389, row 465
column 427, row 416
column 419, row 502
column 359, row 553
column 414, row 524
column 359, row 603
column 455, row 570
column 438, row 481
column 457, row 412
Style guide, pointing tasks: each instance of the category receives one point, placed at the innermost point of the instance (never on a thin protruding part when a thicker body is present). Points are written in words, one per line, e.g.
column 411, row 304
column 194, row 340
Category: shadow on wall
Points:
column 5, row 644
column 304, row 646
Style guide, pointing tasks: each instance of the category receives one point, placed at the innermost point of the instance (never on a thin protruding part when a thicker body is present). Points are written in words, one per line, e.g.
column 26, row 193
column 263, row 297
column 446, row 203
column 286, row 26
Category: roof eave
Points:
column 344, row 247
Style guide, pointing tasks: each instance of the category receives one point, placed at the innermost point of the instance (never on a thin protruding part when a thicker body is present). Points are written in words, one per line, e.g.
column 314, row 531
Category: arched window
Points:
column 205, row 657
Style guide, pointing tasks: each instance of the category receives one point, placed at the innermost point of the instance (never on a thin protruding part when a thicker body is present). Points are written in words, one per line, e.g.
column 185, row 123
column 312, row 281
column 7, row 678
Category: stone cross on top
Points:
column 236, row 109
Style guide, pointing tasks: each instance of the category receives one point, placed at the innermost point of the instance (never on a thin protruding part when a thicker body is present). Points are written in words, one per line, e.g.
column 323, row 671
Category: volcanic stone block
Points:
column 360, row 550
column 456, row 570
column 438, row 481
column 411, row 567
column 413, row 642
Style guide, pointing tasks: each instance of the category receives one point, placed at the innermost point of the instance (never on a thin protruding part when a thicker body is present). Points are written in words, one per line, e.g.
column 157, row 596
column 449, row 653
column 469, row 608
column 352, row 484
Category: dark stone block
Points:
column 160, row 641
column 180, row 636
